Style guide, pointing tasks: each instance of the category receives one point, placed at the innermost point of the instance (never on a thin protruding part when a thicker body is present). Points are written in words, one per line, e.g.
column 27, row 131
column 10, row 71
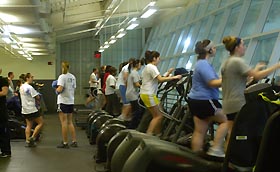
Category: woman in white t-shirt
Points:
column 29, row 110
column 66, row 85
column 148, row 90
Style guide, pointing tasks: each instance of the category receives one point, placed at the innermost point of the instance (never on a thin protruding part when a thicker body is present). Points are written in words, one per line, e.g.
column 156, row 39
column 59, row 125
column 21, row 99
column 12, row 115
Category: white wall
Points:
column 38, row 66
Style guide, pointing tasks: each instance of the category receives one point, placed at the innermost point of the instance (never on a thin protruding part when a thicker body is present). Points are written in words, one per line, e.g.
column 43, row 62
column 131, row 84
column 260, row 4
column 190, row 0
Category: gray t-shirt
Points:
column 234, row 77
column 132, row 92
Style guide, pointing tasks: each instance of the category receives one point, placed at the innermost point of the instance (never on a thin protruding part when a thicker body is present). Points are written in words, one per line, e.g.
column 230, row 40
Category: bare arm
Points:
column 167, row 78
column 4, row 91
column 215, row 83
column 260, row 74
column 59, row 89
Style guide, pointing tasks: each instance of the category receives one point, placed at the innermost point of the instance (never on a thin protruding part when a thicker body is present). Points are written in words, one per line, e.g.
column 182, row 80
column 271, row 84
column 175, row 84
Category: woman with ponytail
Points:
column 204, row 101
column 66, row 85
column 235, row 73
column 148, row 90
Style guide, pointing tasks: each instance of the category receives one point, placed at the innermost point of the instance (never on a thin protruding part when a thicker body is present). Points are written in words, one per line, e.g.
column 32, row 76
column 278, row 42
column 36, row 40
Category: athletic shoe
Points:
column 74, row 144
column 5, row 155
column 30, row 145
column 63, row 146
column 216, row 152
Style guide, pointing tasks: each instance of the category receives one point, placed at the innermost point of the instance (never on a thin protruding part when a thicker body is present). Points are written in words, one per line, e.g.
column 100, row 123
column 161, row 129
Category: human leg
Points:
column 221, row 131
column 5, row 144
column 29, row 124
column 155, row 124
column 200, row 129
column 71, row 127
column 37, row 129
column 64, row 129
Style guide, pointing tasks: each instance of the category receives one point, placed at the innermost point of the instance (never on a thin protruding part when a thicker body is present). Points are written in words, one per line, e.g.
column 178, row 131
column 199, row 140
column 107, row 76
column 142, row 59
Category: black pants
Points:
column 137, row 113
column 5, row 144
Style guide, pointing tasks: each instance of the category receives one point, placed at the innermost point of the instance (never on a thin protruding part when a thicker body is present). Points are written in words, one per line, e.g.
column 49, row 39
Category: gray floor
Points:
column 46, row 157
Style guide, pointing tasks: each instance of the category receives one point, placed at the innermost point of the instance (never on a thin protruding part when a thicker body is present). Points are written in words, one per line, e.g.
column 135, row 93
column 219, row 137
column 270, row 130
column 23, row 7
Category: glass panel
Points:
column 232, row 20
column 215, row 26
column 251, row 18
column 273, row 19
column 182, row 61
column 182, row 19
column 171, row 63
column 164, row 66
column 191, row 62
column 201, row 33
column 188, row 40
column 263, row 51
column 179, row 41
column 224, row 3
column 201, row 10
column 190, row 14
column 156, row 32
column 166, row 45
column 172, row 26
column 212, row 5
column 220, row 57
column 171, row 44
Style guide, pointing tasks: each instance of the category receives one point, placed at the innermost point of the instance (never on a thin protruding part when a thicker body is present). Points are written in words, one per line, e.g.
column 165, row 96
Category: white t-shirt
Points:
column 110, row 81
column 121, row 80
column 149, row 80
column 27, row 95
column 93, row 78
column 68, row 81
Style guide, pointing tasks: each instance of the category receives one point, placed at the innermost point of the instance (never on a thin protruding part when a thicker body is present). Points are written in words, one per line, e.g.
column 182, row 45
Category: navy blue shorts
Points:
column 31, row 116
column 65, row 108
column 203, row 108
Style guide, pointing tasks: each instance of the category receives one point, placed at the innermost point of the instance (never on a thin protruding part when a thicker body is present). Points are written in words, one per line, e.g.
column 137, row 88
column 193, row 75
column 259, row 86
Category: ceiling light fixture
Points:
column 132, row 24
column 148, row 11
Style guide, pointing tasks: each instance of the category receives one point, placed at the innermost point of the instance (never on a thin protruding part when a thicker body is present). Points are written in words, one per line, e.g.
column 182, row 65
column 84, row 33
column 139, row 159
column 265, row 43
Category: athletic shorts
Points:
column 65, row 108
column 122, row 89
column 231, row 116
column 149, row 100
column 31, row 116
column 203, row 108
column 93, row 91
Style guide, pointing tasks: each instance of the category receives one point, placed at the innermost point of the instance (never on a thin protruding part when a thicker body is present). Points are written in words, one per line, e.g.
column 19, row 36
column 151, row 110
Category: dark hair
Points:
column 200, row 48
column 130, row 61
column 107, row 68
column 112, row 70
column 122, row 65
column 94, row 69
column 136, row 62
column 10, row 73
column 231, row 42
column 150, row 55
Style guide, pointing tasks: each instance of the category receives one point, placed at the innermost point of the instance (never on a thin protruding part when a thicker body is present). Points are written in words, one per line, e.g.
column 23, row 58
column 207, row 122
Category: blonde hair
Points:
column 65, row 67
column 231, row 42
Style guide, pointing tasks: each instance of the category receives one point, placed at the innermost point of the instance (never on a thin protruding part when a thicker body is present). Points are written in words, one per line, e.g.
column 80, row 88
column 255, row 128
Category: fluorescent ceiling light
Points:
column 35, row 49
column 21, row 52
column 150, row 10
column 15, row 46
column 101, row 50
column 7, row 39
column 132, row 25
column 112, row 40
column 121, row 34
column 20, row 29
column 29, row 58
column 106, row 46
column 39, row 54
column 30, row 45
column 8, row 18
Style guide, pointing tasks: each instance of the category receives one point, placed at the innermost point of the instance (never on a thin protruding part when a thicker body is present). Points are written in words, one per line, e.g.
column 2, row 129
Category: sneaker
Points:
column 216, row 152
column 31, row 141
column 74, row 144
column 5, row 155
column 62, row 145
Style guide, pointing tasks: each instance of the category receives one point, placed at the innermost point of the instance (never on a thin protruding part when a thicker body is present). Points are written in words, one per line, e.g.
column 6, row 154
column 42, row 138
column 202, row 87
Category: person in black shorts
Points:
column 29, row 110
